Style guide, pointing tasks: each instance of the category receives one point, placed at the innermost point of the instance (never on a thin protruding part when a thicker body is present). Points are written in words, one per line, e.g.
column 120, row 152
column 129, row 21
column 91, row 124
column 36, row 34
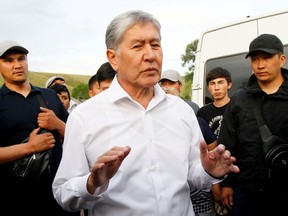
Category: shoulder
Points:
column 206, row 107
column 193, row 105
column 208, row 134
column 51, row 99
column 47, row 93
column 201, row 121
column 240, row 95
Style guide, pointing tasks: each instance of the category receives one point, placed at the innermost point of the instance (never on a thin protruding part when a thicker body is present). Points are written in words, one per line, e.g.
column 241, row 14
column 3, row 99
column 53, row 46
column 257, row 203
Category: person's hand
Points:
column 40, row 142
column 227, row 197
column 106, row 166
column 35, row 143
column 217, row 162
column 48, row 120
column 216, row 192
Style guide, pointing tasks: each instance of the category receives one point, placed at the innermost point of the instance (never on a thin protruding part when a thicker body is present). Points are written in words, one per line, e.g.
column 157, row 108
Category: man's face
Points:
column 138, row 60
column 218, row 88
column 95, row 89
column 63, row 96
column 14, row 68
column 105, row 84
column 171, row 87
column 267, row 67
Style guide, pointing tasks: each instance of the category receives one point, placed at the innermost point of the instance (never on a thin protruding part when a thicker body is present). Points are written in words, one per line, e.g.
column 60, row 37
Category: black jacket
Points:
column 239, row 133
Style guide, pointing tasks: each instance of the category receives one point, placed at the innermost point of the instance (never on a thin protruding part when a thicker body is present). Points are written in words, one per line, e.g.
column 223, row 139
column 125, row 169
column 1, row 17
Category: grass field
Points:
column 40, row 78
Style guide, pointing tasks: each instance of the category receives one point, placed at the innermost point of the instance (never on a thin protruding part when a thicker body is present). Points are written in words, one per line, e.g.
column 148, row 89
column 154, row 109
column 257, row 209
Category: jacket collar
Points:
column 253, row 86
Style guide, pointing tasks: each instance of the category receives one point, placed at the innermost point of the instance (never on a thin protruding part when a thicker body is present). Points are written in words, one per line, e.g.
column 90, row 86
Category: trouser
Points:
column 265, row 204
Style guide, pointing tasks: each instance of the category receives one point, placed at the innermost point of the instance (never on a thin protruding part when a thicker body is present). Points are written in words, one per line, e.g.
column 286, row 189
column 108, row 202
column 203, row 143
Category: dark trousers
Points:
column 270, row 203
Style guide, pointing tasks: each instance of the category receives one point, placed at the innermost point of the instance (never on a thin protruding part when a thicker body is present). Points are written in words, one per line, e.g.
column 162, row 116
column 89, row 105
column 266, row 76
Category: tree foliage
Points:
column 80, row 91
column 189, row 59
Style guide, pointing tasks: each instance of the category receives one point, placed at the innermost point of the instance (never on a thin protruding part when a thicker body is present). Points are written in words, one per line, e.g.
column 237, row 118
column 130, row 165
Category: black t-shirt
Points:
column 213, row 115
column 208, row 135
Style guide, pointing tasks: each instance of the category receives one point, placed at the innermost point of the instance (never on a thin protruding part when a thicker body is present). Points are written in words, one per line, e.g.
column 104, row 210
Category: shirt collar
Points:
column 6, row 91
column 116, row 92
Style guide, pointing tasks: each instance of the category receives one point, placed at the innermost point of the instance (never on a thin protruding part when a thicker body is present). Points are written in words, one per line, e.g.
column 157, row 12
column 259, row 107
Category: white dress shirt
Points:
column 73, row 104
column 154, row 178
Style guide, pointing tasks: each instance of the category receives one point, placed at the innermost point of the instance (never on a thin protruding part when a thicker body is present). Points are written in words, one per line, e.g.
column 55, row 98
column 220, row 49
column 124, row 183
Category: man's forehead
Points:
column 59, row 80
column 13, row 55
column 218, row 79
column 136, row 31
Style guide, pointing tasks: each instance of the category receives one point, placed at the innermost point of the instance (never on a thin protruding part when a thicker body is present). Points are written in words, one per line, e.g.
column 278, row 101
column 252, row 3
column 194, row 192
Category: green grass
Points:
column 40, row 78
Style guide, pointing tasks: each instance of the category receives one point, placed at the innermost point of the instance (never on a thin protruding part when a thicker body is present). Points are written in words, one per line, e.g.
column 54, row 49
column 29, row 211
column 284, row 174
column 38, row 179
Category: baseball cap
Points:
column 171, row 75
column 6, row 46
column 267, row 43
column 52, row 79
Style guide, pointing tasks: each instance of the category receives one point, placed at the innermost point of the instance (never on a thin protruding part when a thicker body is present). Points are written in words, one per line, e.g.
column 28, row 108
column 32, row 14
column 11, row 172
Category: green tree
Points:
column 80, row 91
column 189, row 59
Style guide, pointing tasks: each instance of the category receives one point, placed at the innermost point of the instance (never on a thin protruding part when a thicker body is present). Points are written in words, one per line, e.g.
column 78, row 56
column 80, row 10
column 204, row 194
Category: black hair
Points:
column 92, row 80
column 218, row 72
column 58, row 88
column 105, row 72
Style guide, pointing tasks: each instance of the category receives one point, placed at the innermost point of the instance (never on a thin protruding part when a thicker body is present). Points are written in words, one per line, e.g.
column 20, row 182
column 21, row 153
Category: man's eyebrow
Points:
column 142, row 40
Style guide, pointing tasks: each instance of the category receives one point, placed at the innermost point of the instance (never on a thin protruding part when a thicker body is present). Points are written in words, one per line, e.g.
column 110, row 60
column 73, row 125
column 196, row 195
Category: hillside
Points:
column 40, row 78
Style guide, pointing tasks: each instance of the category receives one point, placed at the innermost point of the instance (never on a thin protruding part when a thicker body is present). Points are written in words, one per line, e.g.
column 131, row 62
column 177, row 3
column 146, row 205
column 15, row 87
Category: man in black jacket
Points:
column 253, row 191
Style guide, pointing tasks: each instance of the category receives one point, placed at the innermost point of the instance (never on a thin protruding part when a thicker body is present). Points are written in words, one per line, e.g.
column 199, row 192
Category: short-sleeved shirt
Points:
column 213, row 115
column 208, row 134
column 18, row 118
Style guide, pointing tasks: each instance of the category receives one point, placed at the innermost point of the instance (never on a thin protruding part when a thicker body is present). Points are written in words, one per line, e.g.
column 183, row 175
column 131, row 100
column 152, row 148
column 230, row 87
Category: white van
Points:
column 226, row 47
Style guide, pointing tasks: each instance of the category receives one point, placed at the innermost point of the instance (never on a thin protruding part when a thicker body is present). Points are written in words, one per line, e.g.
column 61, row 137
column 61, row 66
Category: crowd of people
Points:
column 136, row 147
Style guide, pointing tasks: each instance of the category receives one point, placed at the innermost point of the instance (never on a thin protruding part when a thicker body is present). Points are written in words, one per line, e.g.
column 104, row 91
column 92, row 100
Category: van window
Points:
column 238, row 66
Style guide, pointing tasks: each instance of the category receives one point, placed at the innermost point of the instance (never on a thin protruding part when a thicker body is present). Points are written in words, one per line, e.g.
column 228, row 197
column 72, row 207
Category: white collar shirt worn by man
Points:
column 154, row 176
column 128, row 156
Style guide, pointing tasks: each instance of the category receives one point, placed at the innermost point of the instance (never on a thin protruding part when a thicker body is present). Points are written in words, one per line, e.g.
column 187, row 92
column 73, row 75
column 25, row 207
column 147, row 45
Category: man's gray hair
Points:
column 120, row 24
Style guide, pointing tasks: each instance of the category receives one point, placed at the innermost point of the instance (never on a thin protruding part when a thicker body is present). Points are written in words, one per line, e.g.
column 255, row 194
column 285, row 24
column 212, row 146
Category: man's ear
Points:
column 180, row 87
column 283, row 60
column 111, row 55
column 229, row 85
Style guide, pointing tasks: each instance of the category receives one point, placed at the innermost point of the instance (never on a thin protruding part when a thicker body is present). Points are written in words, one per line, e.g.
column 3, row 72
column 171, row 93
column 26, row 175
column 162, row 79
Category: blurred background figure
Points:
column 59, row 79
column 105, row 75
column 171, row 83
column 63, row 94
column 101, row 80
column 93, row 86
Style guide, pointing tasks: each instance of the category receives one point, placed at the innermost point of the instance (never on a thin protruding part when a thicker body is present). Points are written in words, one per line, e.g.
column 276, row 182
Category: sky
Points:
column 68, row 36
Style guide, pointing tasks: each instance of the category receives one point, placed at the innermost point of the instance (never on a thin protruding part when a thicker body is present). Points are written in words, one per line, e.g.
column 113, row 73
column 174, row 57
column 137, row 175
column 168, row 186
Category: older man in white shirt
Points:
column 134, row 150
